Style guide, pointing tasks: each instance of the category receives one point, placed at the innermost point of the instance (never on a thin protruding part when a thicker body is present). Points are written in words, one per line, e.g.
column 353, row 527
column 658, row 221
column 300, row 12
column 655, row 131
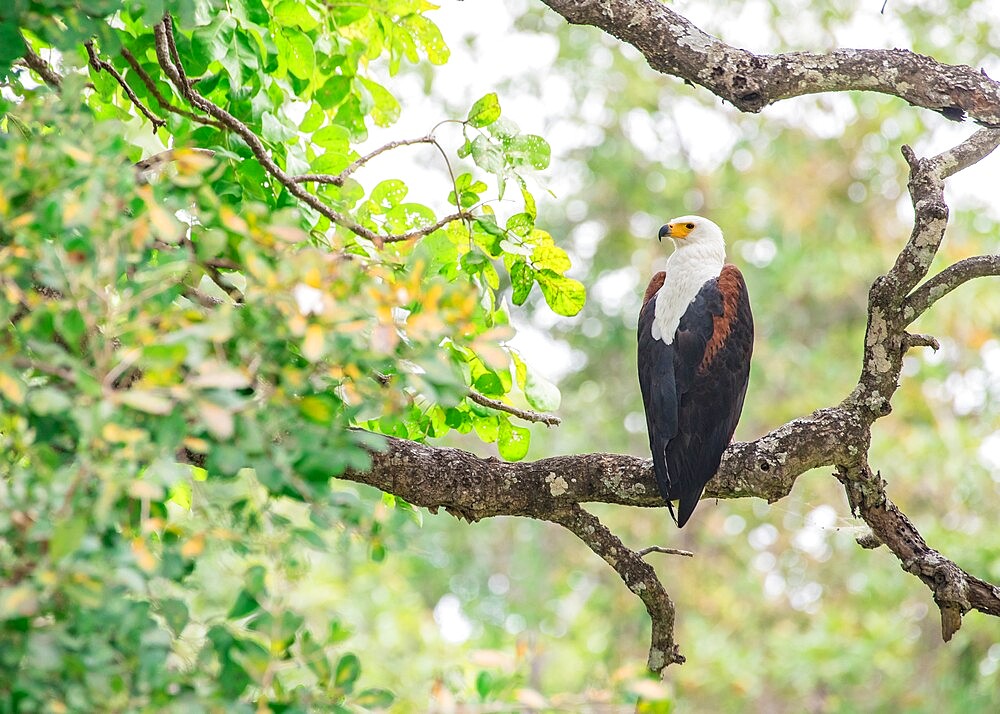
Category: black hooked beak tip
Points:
column 664, row 233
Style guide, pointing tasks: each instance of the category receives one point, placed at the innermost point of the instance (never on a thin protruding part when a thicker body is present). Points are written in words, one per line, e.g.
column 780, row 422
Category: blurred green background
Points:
column 780, row 610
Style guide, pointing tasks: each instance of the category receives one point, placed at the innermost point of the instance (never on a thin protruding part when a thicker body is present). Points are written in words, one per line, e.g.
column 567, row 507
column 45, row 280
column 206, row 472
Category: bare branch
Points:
column 160, row 99
column 99, row 64
column 338, row 179
column 526, row 414
column 971, row 151
column 34, row 61
column 152, row 165
column 660, row 549
column 638, row 576
column 673, row 45
column 955, row 591
column 947, row 280
column 917, row 340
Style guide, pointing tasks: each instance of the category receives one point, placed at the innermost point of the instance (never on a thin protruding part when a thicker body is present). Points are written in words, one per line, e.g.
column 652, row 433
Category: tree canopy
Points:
column 218, row 332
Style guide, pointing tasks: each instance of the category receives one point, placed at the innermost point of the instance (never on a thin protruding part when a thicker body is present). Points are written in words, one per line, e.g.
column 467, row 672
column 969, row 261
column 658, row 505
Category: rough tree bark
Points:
column 838, row 436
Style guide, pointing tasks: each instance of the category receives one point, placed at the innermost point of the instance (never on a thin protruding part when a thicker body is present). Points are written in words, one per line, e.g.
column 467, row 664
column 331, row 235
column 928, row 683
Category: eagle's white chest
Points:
column 687, row 270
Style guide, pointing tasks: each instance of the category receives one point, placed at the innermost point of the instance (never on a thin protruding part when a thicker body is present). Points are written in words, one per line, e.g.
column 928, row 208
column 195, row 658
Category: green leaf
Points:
column 67, row 536
column 175, row 612
column 550, row 257
column 297, row 50
column 48, row 401
column 244, row 605
column 485, row 111
column 487, row 428
column 348, row 671
column 484, row 684
column 542, row 394
column 513, row 441
column 275, row 130
column 564, row 295
column 333, row 91
column 487, row 155
column 375, row 699
column 293, row 12
column 522, row 277
column 388, row 194
column 520, row 224
column 386, row 109
column 529, row 150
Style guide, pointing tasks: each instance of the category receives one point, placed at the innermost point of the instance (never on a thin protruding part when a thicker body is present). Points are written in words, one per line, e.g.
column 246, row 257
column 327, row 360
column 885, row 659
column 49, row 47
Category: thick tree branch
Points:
column 476, row 488
column 638, row 576
column 673, row 45
column 34, row 61
column 955, row 591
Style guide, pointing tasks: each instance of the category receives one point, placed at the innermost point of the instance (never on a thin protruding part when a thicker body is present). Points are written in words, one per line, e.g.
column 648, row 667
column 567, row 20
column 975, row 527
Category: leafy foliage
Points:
column 183, row 358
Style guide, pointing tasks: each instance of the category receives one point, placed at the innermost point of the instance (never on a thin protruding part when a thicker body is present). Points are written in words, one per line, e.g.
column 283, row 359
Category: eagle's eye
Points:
column 690, row 226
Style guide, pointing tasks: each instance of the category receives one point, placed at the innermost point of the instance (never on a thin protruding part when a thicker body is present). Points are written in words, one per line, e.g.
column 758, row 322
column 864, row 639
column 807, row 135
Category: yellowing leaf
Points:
column 219, row 420
column 18, row 601
column 143, row 557
column 118, row 434
column 313, row 345
column 194, row 546
column 146, row 401
column 145, row 490
column 218, row 375
column 11, row 387
column 78, row 154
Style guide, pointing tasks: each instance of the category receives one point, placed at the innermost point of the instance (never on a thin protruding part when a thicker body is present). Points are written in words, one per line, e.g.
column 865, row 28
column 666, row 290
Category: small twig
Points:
column 99, row 64
column 339, row 179
column 41, row 67
column 45, row 368
column 660, row 549
column 152, row 165
column 526, row 414
column 160, row 99
column 918, row 340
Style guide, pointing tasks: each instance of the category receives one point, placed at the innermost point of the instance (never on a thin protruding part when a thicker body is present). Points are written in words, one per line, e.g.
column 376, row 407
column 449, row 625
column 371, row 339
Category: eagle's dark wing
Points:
column 714, row 342
column 659, row 391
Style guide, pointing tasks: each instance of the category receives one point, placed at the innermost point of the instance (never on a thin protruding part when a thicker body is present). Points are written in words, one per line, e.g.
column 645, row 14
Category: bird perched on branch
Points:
column 695, row 341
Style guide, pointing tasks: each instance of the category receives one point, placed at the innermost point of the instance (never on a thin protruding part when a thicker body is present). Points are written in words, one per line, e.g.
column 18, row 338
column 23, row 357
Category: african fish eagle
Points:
column 695, row 340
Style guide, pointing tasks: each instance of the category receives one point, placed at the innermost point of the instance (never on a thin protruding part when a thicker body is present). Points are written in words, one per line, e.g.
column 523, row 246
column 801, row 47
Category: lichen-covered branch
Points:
column 475, row 488
column 963, row 271
column 638, row 576
column 955, row 591
column 674, row 45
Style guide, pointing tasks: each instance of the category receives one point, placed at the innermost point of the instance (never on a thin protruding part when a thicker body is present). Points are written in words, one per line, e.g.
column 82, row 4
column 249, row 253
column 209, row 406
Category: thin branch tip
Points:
column 660, row 549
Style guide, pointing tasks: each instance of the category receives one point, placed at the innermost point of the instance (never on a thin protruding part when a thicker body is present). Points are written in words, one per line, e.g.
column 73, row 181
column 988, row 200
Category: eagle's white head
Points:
column 695, row 231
